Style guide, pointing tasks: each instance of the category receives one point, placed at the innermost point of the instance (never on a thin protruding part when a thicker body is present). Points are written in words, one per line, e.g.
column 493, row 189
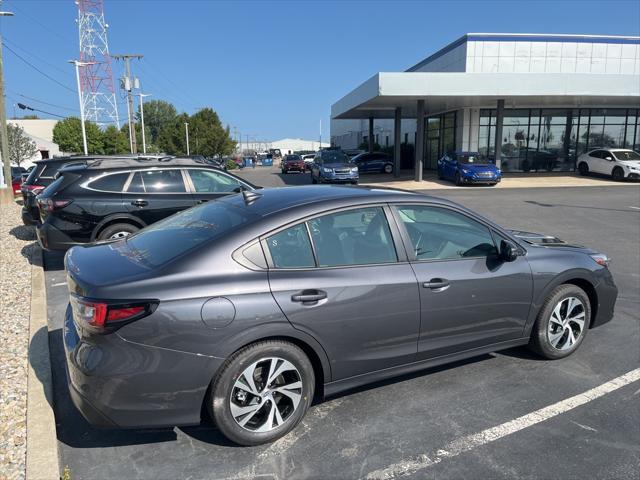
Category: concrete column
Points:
column 397, row 141
column 371, row 139
column 419, row 141
column 498, row 138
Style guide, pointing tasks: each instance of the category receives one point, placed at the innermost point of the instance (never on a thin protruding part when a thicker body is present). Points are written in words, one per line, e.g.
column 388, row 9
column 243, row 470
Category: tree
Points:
column 30, row 117
column 115, row 141
column 68, row 135
column 158, row 115
column 21, row 147
column 171, row 138
column 208, row 137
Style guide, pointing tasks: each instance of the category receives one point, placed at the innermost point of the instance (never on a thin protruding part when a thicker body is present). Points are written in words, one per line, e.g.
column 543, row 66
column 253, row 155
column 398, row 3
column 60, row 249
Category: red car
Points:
column 293, row 163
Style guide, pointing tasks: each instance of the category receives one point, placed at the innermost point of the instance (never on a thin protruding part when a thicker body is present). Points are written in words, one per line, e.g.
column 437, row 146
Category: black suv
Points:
column 108, row 199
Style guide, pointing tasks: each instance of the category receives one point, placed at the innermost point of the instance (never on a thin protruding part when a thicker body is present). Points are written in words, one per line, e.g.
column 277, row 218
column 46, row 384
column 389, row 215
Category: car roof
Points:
column 268, row 201
column 113, row 163
column 87, row 158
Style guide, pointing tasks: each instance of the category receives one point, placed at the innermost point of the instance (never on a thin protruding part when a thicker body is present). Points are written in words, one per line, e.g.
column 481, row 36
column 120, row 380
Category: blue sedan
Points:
column 468, row 167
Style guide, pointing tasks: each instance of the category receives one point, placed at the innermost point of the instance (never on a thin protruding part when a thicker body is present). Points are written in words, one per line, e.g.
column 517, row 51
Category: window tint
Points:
column 184, row 231
column 110, row 183
column 207, row 181
column 291, row 248
column 627, row 155
column 441, row 234
column 597, row 154
column 354, row 237
column 157, row 181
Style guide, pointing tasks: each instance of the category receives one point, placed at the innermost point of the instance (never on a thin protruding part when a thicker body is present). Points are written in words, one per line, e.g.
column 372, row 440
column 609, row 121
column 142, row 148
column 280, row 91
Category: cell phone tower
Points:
column 98, row 95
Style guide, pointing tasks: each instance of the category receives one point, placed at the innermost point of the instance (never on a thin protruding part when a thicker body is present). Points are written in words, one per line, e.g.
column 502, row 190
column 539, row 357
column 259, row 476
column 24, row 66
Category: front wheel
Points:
column 617, row 174
column 458, row 179
column 562, row 322
column 262, row 392
column 388, row 168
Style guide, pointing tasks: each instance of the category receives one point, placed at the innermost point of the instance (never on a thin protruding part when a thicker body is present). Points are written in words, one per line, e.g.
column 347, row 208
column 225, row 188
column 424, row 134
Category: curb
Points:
column 42, row 443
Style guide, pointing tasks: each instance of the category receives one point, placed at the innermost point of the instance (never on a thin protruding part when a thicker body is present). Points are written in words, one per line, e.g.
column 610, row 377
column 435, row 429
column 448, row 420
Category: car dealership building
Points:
column 531, row 102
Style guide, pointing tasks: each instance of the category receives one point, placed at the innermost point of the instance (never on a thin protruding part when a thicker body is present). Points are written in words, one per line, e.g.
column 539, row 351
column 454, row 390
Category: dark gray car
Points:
column 248, row 307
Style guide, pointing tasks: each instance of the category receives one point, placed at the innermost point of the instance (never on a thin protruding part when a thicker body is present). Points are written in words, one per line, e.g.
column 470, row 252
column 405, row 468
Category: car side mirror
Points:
column 608, row 158
column 508, row 251
column 240, row 189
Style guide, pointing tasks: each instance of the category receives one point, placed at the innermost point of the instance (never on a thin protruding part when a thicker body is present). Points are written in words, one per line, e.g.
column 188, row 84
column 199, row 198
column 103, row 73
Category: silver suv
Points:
column 333, row 166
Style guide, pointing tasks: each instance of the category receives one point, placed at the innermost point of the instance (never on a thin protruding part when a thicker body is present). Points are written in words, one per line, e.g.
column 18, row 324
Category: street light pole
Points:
column 5, row 174
column 144, row 141
column 186, row 129
column 79, row 64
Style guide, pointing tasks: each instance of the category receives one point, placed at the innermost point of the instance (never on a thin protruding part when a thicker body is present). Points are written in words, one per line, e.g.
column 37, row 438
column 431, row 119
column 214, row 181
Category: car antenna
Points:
column 250, row 197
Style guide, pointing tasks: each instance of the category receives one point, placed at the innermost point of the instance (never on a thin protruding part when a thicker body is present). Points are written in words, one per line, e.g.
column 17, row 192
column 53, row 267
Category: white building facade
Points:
column 530, row 102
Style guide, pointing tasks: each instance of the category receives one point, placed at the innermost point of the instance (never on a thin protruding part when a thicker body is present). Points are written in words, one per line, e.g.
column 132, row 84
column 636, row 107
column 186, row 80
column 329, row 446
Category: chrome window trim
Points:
column 86, row 183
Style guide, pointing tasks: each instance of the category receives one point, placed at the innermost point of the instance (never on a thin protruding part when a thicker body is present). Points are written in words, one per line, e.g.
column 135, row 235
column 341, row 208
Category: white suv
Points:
column 617, row 162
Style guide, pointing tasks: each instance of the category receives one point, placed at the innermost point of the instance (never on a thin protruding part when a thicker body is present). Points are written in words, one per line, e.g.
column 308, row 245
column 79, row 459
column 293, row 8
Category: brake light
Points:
column 101, row 317
column 50, row 205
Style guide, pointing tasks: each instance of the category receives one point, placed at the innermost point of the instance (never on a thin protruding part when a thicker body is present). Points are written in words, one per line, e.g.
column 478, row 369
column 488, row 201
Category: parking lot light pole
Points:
column 186, row 131
column 79, row 64
column 5, row 175
column 144, row 141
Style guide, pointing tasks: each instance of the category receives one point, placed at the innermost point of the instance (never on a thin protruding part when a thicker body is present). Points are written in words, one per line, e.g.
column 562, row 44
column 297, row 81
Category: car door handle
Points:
column 437, row 284
column 203, row 200
column 309, row 296
column 139, row 203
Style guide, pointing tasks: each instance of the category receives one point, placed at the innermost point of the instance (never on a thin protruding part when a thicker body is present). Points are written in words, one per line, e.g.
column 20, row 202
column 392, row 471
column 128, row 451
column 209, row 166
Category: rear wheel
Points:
column 458, row 179
column 387, row 168
column 583, row 168
column 562, row 322
column 116, row 231
column 617, row 174
column 262, row 392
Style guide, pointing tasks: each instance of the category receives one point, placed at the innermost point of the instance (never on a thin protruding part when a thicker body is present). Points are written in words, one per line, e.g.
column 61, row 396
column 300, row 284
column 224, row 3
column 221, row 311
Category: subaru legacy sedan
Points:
column 248, row 307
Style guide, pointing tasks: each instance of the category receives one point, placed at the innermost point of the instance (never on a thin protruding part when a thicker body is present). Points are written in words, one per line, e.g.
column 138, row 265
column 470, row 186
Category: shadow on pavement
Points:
column 24, row 232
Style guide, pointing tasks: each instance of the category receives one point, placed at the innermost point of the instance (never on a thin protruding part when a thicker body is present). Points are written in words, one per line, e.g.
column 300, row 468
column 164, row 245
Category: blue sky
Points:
column 272, row 69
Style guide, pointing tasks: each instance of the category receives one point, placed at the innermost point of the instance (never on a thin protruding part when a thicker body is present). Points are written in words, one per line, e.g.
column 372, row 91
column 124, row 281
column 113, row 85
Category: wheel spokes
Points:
column 243, row 414
column 554, row 338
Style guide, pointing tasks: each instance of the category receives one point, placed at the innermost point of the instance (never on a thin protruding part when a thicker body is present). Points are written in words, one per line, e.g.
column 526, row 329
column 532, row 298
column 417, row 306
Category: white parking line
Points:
column 489, row 435
column 635, row 208
column 59, row 284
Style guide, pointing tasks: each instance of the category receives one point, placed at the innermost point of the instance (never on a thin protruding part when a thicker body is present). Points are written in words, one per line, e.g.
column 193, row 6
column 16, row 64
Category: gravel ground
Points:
column 17, row 245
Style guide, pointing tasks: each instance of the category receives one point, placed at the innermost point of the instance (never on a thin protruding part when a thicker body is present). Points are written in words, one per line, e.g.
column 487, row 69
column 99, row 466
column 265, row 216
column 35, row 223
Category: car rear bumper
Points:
column 120, row 384
column 51, row 238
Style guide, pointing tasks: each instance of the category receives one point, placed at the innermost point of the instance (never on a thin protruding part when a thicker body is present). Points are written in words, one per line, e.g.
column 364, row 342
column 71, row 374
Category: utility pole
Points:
column 5, row 178
column 128, row 83
column 144, row 141
column 186, row 130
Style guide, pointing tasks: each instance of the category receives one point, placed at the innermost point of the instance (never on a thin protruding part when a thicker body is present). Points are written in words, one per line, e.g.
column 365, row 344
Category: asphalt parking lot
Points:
column 407, row 424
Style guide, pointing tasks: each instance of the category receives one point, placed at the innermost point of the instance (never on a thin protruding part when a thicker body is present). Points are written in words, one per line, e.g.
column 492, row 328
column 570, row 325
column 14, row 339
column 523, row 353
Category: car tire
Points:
column 387, row 169
column 617, row 174
column 583, row 169
column 354, row 183
column 565, row 313
column 117, row 230
column 227, row 399
column 458, row 179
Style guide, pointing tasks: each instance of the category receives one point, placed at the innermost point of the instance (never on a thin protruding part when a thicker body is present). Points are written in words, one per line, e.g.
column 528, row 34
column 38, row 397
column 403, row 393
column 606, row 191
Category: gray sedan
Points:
column 250, row 307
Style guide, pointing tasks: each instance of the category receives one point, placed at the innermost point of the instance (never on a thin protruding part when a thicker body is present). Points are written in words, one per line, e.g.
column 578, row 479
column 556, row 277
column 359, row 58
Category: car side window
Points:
column 597, row 154
column 442, row 234
column 206, row 181
column 291, row 248
column 353, row 237
column 110, row 183
column 157, row 181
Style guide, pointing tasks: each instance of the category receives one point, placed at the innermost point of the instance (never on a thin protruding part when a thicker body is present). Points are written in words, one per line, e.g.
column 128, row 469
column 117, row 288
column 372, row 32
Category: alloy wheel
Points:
column 117, row 235
column 566, row 323
column 266, row 394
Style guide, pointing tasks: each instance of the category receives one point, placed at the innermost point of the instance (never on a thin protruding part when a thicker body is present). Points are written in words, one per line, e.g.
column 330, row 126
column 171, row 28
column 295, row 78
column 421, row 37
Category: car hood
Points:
column 339, row 165
column 543, row 240
column 630, row 163
column 478, row 167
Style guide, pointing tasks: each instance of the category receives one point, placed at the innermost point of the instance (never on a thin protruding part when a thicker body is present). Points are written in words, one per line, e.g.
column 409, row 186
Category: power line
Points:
column 40, row 59
column 42, row 101
column 22, row 106
column 38, row 70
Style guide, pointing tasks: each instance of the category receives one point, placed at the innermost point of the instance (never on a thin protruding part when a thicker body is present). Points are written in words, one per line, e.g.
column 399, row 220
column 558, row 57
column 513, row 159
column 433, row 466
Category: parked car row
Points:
column 96, row 199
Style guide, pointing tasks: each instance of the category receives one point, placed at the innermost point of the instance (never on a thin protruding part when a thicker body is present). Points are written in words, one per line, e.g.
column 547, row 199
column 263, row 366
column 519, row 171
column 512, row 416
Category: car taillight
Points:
column 102, row 317
column 35, row 189
column 49, row 204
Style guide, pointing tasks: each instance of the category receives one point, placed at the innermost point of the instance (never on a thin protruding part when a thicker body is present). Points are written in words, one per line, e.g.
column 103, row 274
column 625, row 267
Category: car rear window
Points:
column 50, row 169
column 110, row 183
column 169, row 238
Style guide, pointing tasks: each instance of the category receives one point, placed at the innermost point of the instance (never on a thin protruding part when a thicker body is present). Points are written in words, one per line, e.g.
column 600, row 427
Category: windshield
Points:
column 335, row 156
column 292, row 158
column 626, row 155
column 167, row 239
column 469, row 158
